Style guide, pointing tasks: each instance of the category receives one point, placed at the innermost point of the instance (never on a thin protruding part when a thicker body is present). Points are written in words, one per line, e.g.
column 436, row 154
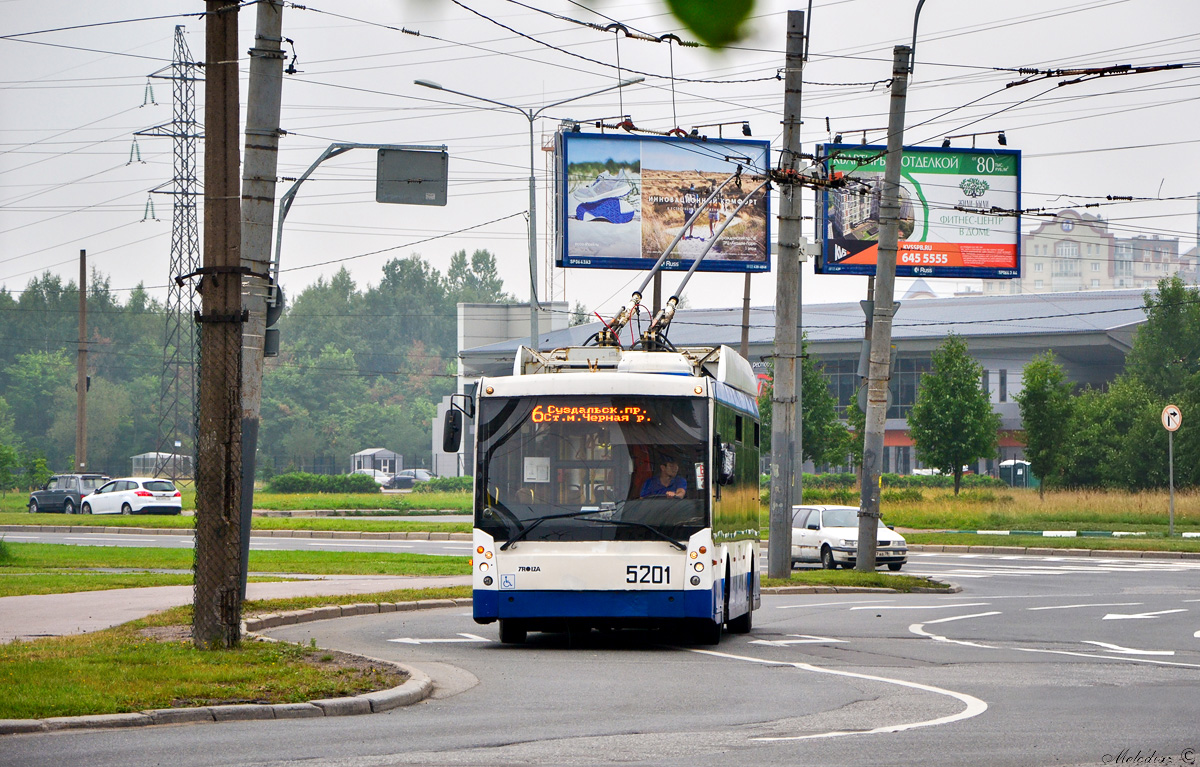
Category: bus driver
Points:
column 667, row 483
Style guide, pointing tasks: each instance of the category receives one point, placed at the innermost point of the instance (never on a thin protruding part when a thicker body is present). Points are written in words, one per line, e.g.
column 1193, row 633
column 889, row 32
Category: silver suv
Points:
column 64, row 492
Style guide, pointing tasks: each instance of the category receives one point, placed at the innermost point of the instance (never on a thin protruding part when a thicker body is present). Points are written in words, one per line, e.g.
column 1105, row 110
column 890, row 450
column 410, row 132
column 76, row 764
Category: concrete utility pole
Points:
column 258, row 214
column 881, row 321
column 785, row 447
column 81, row 375
column 218, row 604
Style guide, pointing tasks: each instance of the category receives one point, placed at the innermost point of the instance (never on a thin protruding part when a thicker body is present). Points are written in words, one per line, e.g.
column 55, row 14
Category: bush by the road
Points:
column 444, row 485
column 301, row 482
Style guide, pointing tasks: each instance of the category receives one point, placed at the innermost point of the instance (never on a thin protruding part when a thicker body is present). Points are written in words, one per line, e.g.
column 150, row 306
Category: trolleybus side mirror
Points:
column 452, row 428
column 726, row 463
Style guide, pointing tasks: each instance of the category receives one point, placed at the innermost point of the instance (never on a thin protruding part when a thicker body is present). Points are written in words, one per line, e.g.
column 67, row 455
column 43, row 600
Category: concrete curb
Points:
column 338, row 534
column 418, row 686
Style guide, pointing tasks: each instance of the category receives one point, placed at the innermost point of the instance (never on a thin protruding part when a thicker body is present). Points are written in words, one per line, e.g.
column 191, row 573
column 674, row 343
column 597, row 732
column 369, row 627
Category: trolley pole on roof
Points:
column 785, row 444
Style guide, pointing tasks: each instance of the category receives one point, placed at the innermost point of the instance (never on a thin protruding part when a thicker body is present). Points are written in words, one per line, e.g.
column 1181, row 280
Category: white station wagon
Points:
column 134, row 495
column 829, row 535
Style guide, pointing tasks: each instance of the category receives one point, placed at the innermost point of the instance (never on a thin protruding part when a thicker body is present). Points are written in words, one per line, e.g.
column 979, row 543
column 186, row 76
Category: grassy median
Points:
column 151, row 663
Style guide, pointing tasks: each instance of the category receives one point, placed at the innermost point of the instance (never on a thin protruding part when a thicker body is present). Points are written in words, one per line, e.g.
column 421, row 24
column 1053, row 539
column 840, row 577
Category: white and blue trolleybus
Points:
column 616, row 488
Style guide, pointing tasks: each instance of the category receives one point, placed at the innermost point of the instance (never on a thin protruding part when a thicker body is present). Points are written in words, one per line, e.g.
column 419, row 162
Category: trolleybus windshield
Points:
column 592, row 468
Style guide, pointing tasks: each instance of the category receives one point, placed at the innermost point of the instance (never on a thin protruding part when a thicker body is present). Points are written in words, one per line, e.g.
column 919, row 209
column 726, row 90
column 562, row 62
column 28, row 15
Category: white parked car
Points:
column 829, row 535
column 134, row 495
column 381, row 478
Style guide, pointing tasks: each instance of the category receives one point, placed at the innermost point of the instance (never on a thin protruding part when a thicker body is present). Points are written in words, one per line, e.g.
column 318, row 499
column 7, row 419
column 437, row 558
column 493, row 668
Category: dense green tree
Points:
column 1166, row 350
column 1045, row 402
column 824, row 437
column 39, row 386
column 952, row 422
column 1115, row 438
column 476, row 281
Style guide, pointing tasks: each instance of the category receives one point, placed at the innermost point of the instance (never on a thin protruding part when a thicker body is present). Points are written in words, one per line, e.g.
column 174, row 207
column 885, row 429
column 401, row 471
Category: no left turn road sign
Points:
column 1171, row 417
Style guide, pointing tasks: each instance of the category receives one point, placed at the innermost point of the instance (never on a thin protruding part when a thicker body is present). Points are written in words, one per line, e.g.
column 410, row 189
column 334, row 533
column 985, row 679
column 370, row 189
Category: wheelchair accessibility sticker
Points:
column 508, row 581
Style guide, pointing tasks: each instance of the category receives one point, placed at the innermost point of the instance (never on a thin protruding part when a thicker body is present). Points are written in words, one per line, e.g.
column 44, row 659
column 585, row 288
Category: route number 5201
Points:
column 647, row 574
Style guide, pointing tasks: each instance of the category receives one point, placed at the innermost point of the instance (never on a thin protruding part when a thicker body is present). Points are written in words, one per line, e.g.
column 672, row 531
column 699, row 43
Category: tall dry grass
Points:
column 1024, row 509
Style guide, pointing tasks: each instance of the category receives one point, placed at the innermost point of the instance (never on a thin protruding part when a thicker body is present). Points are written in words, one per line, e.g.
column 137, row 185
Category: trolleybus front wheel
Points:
column 512, row 632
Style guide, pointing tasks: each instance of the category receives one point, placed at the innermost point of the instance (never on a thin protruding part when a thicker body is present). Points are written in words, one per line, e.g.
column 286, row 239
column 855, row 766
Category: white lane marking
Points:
column 1128, row 650
column 1096, row 604
column 963, row 617
column 25, row 537
column 922, row 607
column 463, row 638
column 116, row 537
column 836, row 604
column 919, row 630
column 801, row 639
column 1137, row 616
column 973, row 706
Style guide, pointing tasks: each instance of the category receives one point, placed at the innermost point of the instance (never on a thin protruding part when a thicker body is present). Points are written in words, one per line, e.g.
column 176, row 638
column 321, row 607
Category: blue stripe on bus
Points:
column 738, row 400
column 594, row 604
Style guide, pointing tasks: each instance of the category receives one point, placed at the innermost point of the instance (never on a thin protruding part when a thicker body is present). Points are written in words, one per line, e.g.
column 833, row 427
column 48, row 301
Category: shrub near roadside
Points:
column 444, row 485
column 301, row 482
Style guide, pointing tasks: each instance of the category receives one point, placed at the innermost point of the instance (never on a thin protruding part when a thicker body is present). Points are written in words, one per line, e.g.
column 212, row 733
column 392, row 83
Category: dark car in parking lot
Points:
column 406, row 478
column 64, row 492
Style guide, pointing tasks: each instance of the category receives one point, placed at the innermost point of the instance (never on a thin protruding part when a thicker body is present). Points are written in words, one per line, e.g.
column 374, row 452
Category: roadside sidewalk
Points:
column 30, row 617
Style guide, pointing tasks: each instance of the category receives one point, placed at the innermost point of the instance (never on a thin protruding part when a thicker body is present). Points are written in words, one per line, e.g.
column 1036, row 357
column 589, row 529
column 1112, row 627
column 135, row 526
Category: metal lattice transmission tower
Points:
column 177, row 393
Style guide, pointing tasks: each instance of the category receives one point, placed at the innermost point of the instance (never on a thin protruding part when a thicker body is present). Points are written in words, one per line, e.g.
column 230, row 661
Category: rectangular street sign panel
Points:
column 412, row 176
column 621, row 199
column 958, row 212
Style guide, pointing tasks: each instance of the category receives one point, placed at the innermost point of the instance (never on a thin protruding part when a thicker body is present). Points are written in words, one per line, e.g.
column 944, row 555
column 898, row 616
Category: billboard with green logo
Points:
column 958, row 212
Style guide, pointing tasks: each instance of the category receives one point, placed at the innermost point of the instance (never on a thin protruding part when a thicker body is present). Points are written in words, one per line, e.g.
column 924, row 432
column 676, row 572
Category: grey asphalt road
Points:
column 1045, row 661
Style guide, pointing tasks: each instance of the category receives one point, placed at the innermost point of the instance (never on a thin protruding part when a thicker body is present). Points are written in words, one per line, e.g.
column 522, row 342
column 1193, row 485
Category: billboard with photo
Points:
column 622, row 199
column 948, row 227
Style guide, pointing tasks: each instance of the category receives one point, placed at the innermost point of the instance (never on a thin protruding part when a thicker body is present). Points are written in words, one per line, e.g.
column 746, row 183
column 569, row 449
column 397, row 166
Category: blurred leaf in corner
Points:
column 715, row 22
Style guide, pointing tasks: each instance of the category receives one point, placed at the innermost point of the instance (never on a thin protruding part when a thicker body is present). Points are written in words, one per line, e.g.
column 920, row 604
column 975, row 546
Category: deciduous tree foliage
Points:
column 359, row 368
column 952, row 423
column 1045, row 402
column 824, row 437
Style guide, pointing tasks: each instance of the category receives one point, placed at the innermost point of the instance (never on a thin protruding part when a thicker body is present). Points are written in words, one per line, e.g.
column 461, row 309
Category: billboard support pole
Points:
column 785, row 448
column 881, row 321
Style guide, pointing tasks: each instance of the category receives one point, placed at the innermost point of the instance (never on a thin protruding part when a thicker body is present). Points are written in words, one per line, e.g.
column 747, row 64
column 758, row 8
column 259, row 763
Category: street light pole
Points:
column 531, row 115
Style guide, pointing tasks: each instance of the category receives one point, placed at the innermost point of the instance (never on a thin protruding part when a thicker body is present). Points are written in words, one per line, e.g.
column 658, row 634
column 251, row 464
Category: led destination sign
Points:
column 590, row 414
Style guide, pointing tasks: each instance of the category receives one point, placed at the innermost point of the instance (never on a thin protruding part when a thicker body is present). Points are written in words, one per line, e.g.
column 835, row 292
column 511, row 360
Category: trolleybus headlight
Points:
column 487, row 580
column 483, row 566
column 693, row 555
column 695, row 580
column 487, row 555
column 699, row 567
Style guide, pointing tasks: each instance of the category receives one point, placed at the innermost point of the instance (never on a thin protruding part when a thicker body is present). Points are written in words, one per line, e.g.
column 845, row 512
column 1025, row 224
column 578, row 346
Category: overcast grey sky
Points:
column 71, row 99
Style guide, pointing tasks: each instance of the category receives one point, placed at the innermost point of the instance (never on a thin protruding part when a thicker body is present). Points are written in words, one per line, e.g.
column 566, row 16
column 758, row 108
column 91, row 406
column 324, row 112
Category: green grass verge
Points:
column 130, row 668
column 16, row 582
column 362, row 523
column 877, row 580
column 54, row 556
column 1149, row 543
column 145, row 664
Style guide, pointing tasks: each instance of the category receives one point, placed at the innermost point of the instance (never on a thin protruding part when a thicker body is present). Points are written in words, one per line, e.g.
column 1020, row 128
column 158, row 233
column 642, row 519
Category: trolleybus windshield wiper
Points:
column 528, row 528
column 651, row 528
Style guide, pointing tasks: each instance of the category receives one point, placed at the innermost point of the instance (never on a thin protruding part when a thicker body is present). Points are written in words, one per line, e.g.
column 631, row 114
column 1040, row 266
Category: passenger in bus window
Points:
column 667, row 482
